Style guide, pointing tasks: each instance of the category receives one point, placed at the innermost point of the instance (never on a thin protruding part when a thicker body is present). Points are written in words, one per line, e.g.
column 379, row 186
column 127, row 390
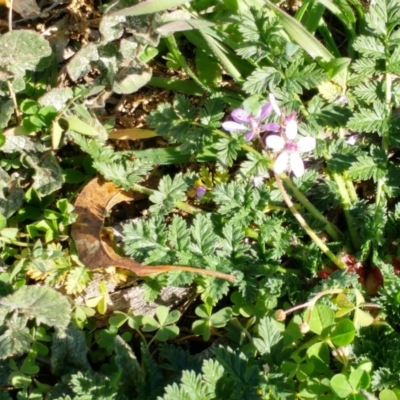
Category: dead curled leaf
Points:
column 94, row 247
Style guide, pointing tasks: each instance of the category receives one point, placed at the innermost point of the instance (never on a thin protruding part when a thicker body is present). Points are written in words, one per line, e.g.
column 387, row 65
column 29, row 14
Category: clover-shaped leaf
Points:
column 209, row 320
column 164, row 323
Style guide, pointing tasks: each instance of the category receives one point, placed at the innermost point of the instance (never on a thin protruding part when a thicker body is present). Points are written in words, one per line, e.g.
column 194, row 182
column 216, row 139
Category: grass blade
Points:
column 148, row 7
column 301, row 36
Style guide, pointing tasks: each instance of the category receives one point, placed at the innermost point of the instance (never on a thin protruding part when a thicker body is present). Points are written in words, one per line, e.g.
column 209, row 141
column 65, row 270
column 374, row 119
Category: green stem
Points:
column 15, row 242
column 323, row 247
column 331, row 229
column 346, row 204
column 350, row 187
column 385, row 139
column 349, row 184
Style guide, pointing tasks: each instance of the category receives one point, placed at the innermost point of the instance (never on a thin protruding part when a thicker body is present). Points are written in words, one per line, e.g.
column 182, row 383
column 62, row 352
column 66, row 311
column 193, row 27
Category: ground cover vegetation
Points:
column 267, row 169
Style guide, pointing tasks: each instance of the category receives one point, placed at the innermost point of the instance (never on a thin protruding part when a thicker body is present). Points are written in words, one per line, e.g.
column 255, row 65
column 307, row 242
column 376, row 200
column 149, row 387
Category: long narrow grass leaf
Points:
column 301, row 36
column 148, row 7
column 220, row 53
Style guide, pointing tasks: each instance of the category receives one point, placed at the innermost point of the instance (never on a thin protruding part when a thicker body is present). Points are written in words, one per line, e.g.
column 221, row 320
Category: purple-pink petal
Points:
column 264, row 112
column 270, row 127
column 241, row 116
column 250, row 136
column 200, row 192
column 231, row 126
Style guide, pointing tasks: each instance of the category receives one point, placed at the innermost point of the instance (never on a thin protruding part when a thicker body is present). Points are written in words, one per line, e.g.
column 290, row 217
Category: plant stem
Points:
column 346, row 204
column 323, row 247
column 331, row 229
column 350, row 188
column 311, row 303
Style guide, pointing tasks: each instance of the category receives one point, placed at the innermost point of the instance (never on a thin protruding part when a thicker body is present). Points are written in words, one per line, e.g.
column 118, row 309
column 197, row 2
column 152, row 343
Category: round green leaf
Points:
column 167, row 332
column 356, row 396
column 363, row 318
column 150, row 324
column 221, row 317
column 318, row 354
column 359, row 379
column 19, row 380
column 172, row 317
column 162, row 314
column 322, row 317
column 118, row 320
column 73, row 176
column 29, row 107
column 202, row 311
column 387, row 394
column 344, row 333
column 341, row 386
column 202, row 327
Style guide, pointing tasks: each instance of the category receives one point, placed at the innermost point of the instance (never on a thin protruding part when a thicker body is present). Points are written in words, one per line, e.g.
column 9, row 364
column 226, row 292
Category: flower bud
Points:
column 200, row 192
column 266, row 368
column 280, row 315
column 304, row 328
column 341, row 354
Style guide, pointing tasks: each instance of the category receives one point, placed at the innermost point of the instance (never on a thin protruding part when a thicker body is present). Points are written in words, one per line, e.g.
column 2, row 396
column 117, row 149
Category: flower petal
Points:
column 306, row 144
column 270, row 127
column 291, row 129
column 231, row 126
column 274, row 105
column 352, row 140
column 200, row 192
column 275, row 142
column 241, row 116
column 264, row 112
column 296, row 164
column 250, row 136
column 281, row 163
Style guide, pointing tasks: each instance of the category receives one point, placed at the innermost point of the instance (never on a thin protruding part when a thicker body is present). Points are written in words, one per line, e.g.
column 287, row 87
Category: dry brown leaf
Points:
column 131, row 134
column 93, row 245
column 25, row 8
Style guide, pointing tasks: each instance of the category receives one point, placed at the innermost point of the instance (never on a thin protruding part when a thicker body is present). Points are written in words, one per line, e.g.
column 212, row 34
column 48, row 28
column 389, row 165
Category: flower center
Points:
column 291, row 146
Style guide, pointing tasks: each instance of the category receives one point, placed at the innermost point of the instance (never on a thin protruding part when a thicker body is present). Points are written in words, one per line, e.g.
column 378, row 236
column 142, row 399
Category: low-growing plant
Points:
column 284, row 175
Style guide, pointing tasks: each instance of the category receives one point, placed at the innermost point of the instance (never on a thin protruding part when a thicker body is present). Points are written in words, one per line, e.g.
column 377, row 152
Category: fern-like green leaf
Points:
column 366, row 168
column 369, row 46
column 367, row 120
column 170, row 190
column 261, row 80
column 227, row 151
column 77, row 280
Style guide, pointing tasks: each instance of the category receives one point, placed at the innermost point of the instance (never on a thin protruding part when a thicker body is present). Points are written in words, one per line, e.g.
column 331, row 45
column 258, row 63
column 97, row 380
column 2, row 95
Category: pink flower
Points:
column 200, row 192
column 290, row 149
column 250, row 124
